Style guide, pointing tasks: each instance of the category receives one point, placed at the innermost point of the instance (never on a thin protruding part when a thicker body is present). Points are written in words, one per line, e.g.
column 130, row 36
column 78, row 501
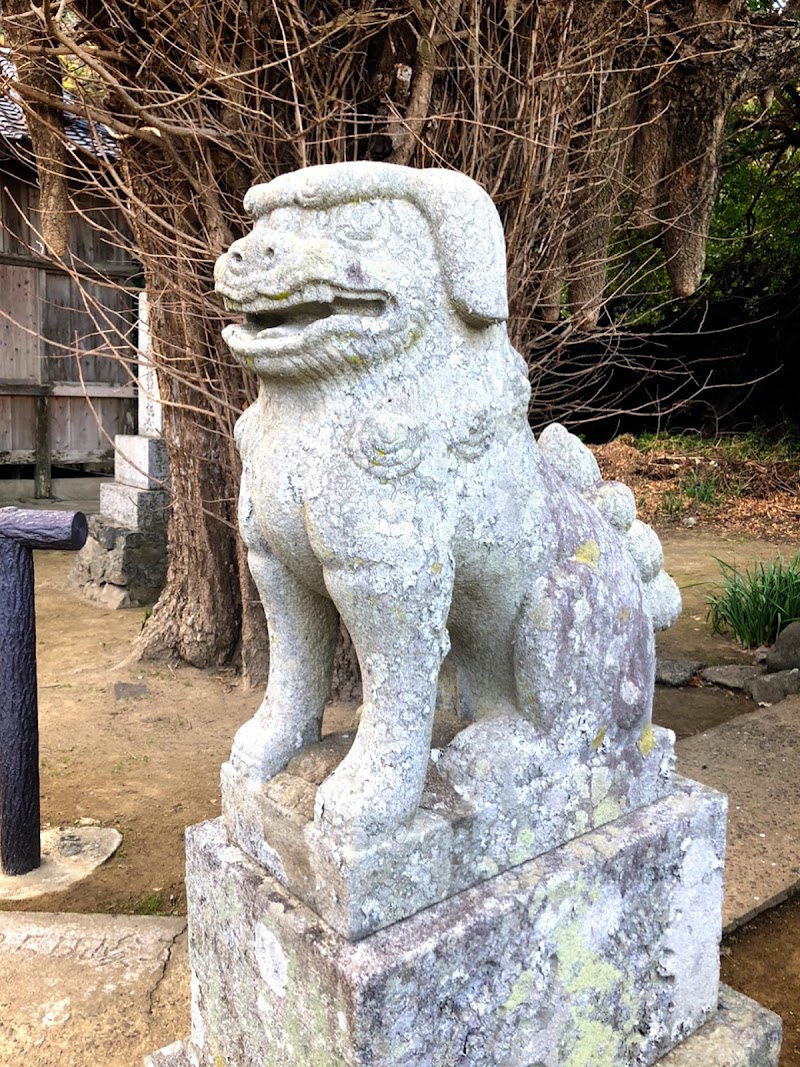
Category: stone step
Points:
column 741, row 1034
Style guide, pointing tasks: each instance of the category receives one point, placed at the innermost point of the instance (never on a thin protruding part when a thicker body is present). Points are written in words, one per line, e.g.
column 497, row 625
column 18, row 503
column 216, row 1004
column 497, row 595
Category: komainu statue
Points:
column 390, row 477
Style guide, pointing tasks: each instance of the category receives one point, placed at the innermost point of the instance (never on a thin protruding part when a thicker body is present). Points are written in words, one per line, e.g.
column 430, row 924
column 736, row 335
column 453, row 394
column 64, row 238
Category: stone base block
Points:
column 471, row 824
column 740, row 1034
column 132, row 507
column 603, row 952
column 175, row 1055
column 140, row 462
column 120, row 567
column 69, row 854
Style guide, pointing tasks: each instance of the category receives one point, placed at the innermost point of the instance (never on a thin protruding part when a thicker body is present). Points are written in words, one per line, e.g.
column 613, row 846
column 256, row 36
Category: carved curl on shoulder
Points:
column 387, row 445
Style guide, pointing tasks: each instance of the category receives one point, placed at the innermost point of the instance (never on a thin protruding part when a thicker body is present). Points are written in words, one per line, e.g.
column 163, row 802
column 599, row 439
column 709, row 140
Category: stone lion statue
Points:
column 390, row 477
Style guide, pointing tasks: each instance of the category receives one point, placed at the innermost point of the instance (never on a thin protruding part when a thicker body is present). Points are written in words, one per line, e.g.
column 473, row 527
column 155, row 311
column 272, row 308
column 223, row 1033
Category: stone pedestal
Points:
column 133, row 506
column 138, row 496
column 602, row 952
column 740, row 1034
column 476, row 819
column 140, row 461
column 124, row 561
column 121, row 567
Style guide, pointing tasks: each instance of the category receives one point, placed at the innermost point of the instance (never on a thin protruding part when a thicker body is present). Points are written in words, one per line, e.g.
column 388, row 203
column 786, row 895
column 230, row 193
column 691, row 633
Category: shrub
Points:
column 758, row 603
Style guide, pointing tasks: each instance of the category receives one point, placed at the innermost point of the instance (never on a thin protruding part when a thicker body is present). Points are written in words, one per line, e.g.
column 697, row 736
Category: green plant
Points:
column 755, row 444
column 701, row 487
column 150, row 904
column 756, row 604
column 672, row 504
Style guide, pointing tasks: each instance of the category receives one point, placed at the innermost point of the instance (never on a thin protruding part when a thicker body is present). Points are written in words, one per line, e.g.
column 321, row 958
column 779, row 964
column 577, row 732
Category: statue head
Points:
column 347, row 263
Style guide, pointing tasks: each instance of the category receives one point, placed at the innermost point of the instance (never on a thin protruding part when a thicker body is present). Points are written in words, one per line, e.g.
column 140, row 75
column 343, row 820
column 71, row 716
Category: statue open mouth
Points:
column 273, row 320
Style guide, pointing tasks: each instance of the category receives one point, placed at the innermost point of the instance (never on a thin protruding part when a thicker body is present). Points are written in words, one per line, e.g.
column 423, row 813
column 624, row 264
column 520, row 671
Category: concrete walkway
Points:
column 69, row 494
column 80, row 990
column 86, row 990
column 755, row 759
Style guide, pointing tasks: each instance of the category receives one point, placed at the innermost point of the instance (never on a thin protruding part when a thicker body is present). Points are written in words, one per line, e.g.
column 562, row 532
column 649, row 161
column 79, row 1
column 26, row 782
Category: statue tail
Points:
column 574, row 462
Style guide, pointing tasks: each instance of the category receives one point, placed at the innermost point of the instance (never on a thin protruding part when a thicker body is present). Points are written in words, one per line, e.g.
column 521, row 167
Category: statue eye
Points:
column 359, row 222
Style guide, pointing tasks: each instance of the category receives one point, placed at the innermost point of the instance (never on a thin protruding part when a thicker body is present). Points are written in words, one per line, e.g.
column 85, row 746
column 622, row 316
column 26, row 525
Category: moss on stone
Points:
column 647, row 740
column 589, row 553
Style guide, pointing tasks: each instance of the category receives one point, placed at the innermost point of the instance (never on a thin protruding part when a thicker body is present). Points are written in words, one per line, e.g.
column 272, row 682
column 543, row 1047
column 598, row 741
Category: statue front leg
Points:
column 397, row 620
column 302, row 640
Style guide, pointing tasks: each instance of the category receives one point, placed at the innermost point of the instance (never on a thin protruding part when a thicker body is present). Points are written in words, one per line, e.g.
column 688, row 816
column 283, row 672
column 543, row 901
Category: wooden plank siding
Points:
column 17, row 427
column 19, row 339
column 68, row 341
column 18, row 210
column 86, row 331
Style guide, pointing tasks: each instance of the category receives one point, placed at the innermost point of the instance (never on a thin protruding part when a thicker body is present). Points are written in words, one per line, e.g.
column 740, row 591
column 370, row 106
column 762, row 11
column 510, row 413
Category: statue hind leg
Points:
column 578, row 750
column 302, row 628
column 584, row 655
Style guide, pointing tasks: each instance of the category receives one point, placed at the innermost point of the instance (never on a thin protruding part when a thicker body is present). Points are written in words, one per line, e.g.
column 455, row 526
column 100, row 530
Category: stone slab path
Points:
column 76, row 990
column 85, row 990
column 755, row 759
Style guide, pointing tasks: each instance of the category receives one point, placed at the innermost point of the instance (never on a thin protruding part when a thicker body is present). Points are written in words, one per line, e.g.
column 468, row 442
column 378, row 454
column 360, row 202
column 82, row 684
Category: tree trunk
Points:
column 41, row 75
column 199, row 616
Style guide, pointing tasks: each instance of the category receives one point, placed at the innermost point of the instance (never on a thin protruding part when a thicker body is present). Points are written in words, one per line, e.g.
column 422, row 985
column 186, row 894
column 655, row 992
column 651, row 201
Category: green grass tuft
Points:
column 758, row 603
column 702, row 488
column 148, row 905
column 672, row 505
column 746, row 446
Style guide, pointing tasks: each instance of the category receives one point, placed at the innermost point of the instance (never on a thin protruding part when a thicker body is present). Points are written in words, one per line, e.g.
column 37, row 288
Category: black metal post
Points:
column 21, row 532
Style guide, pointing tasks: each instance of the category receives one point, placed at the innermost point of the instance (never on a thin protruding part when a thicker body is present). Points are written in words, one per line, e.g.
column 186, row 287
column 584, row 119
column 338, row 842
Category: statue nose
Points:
column 247, row 251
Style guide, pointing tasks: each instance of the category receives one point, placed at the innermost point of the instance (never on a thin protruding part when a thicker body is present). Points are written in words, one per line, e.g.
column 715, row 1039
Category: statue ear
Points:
column 469, row 240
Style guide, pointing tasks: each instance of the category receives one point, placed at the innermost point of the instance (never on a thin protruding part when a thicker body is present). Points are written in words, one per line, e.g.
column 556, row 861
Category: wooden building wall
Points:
column 67, row 346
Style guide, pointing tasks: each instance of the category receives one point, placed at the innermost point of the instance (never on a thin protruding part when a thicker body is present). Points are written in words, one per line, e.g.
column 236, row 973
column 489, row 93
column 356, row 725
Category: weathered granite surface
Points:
column 174, row 1055
column 474, row 820
column 772, row 688
column 390, row 476
column 124, row 561
column 134, row 507
column 740, row 1034
column 676, row 673
column 141, row 461
column 85, row 990
column 732, row 675
column 69, row 854
column 602, row 952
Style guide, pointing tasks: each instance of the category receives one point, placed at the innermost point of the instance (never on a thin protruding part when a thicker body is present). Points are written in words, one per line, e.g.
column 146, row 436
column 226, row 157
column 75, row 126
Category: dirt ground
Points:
column 138, row 747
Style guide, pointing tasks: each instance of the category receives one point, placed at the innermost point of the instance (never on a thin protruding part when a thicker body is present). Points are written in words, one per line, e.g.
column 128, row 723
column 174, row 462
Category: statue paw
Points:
column 356, row 809
column 264, row 745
